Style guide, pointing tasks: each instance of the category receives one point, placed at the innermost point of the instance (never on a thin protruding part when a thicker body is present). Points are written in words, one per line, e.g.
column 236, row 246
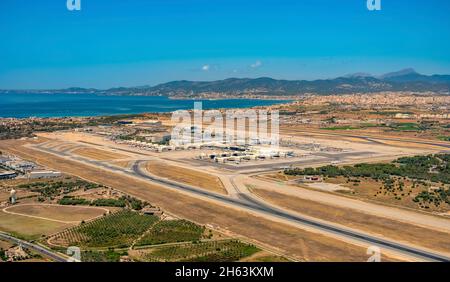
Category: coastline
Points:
column 54, row 105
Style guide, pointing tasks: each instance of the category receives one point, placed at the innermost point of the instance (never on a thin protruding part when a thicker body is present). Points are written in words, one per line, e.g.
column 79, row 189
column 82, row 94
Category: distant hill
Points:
column 410, row 75
column 404, row 80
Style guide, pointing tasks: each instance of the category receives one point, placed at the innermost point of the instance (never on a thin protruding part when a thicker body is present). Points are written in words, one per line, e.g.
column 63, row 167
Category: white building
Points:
column 13, row 196
column 44, row 174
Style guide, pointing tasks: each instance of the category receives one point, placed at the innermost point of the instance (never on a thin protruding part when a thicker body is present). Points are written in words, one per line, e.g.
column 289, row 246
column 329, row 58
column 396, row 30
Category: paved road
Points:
column 246, row 201
column 37, row 248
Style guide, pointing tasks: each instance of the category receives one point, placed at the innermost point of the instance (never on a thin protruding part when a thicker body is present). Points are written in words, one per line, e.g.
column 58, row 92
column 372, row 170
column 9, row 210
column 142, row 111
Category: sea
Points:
column 24, row 105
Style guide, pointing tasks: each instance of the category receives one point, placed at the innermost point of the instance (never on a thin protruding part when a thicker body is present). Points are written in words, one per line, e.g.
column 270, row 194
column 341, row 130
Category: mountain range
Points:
column 403, row 80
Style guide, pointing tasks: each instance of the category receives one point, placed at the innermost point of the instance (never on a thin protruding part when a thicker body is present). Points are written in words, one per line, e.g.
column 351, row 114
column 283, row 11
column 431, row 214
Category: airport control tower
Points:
column 13, row 196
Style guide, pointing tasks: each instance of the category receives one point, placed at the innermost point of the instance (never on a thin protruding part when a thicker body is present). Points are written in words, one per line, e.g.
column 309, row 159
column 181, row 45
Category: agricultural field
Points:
column 172, row 231
column 29, row 228
column 212, row 251
column 122, row 202
column 408, row 126
column 116, row 230
column 102, row 256
column 35, row 215
column 303, row 245
column 188, row 176
column 99, row 155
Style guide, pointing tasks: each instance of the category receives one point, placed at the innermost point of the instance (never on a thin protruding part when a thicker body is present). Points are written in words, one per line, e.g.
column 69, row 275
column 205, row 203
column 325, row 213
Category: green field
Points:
column 213, row 251
column 116, row 230
column 172, row 231
column 102, row 256
column 347, row 127
column 51, row 189
column 407, row 126
column 122, row 202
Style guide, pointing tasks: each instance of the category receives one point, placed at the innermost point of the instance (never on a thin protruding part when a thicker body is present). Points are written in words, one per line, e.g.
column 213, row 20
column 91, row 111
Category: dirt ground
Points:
column 290, row 241
column 264, row 256
column 188, row 176
column 98, row 155
column 376, row 225
column 62, row 213
column 5, row 245
column 30, row 228
column 370, row 189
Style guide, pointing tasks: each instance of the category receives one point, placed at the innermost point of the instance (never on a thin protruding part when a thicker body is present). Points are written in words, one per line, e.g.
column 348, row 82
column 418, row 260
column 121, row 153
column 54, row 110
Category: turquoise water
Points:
column 79, row 105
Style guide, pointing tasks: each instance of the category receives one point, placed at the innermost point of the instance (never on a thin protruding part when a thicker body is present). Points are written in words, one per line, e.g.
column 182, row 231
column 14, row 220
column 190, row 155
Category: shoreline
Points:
column 55, row 105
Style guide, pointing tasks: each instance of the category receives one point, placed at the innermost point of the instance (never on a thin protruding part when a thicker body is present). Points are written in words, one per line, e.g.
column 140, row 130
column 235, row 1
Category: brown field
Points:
column 264, row 256
column 62, row 213
column 99, row 155
column 22, row 194
column 368, row 188
column 288, row 240
column 123, row 164
column 5, row 245
column 373, row 224
column 4, row 196
column 188, row 176
column 29, row 228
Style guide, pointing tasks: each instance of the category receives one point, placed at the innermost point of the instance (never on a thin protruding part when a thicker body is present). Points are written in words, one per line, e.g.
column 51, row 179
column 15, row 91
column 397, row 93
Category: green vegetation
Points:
column 172, row 231
column 408, row 126
column 423, row 171
column 444, row 138
column 405, row 126
column 116, row 230
column 102, row 256
column 3, row 255
column 54, row 188
column 213, row 251
column 120, row 203
column 27, row 127
column 125, row 201
column 436, row 197
column 108, row 120
column 134, row 203
column 72, row 201
column 435, row 168
column 346, row 127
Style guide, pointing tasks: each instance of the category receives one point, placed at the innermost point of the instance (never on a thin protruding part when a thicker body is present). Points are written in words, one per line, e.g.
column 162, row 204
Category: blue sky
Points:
column 113, row 43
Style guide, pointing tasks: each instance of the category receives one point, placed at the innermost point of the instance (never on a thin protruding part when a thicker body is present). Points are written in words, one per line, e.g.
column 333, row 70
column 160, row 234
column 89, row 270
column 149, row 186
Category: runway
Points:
column 287, row 131
column 248, row 202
